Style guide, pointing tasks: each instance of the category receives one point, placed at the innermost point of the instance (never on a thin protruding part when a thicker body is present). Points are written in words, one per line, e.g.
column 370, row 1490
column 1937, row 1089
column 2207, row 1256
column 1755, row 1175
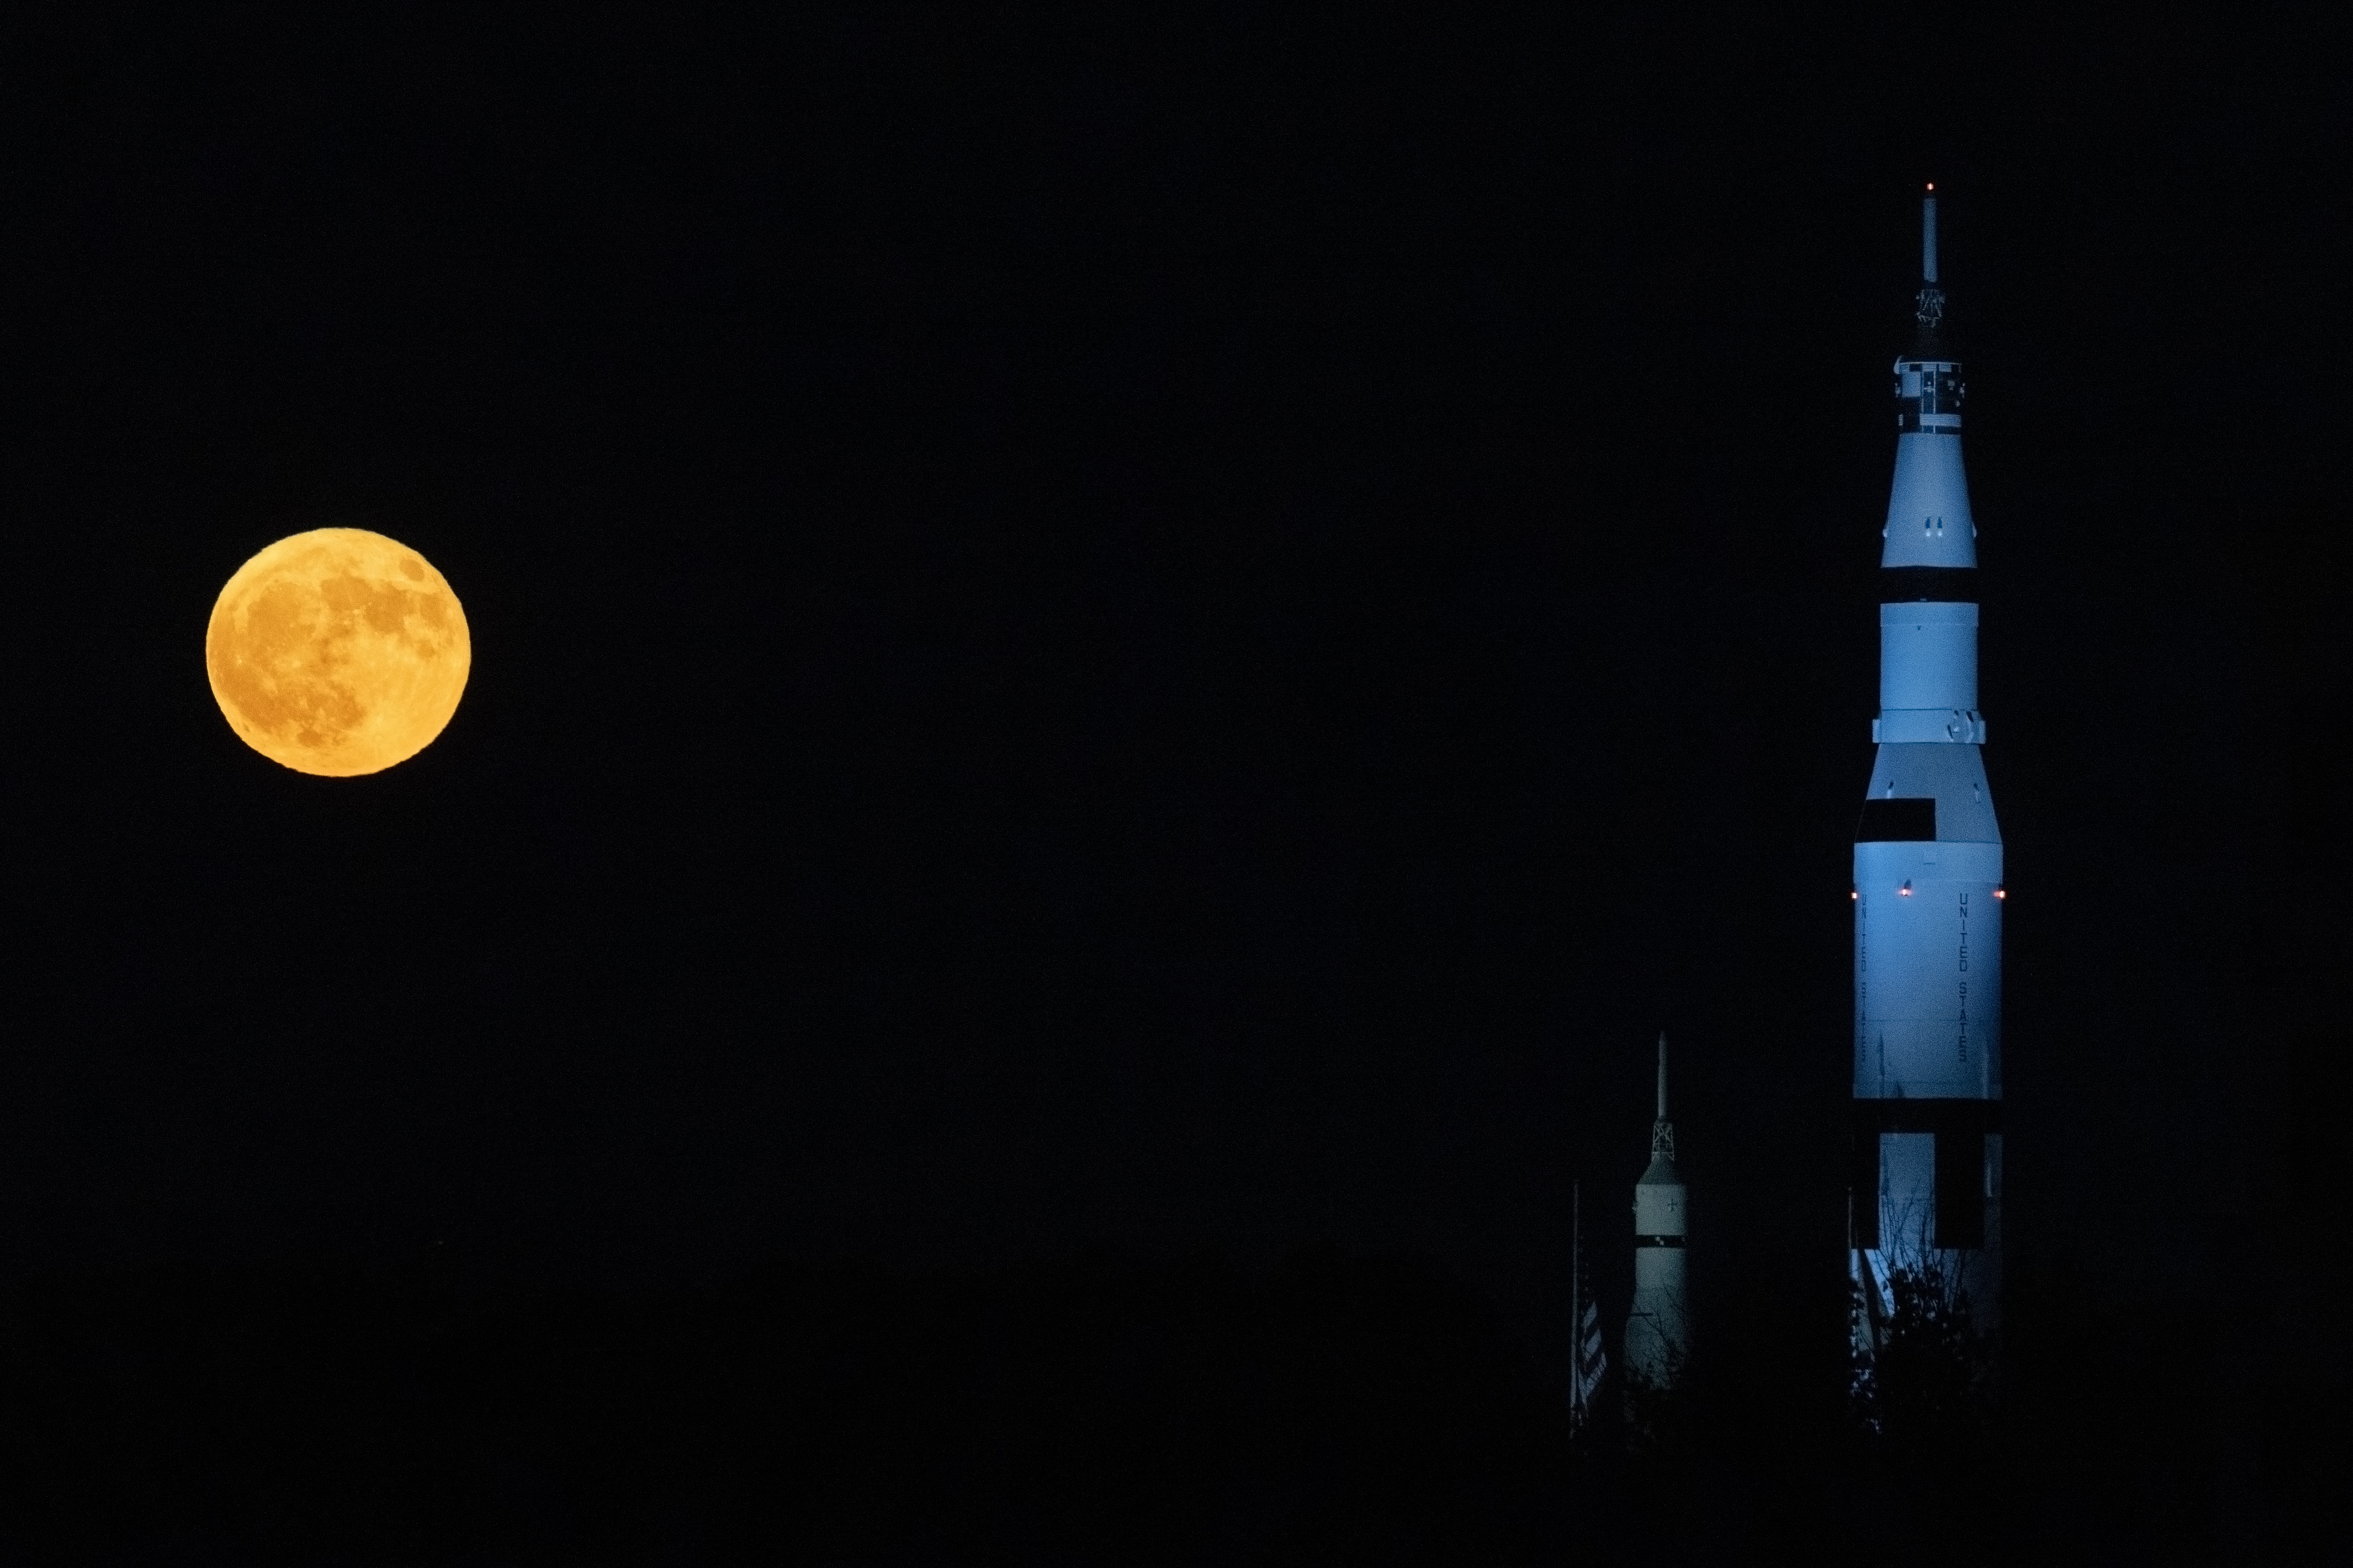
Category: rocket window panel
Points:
column 1897, row 820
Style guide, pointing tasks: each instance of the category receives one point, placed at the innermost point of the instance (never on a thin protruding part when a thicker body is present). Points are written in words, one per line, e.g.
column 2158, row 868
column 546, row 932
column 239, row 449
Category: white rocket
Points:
column 1657, row 1332
column 1927, row 1194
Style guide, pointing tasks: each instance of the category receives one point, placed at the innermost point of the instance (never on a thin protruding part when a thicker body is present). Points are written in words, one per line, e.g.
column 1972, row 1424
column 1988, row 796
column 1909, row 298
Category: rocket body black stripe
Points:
column 1910, row 819
column 1946, row 585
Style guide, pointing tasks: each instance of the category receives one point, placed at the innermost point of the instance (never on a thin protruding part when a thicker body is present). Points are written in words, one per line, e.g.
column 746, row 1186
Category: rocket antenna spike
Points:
column 1928, row 234
column 1663, row 1131
column 1928, row 310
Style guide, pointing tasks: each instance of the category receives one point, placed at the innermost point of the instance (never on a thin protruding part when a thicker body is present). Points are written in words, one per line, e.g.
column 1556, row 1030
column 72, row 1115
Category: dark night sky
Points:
column 1175, row 639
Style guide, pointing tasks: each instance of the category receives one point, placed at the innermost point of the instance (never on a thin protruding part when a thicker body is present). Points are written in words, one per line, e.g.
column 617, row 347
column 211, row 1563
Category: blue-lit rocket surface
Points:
column 1658, row 1330
column 1927, row 1187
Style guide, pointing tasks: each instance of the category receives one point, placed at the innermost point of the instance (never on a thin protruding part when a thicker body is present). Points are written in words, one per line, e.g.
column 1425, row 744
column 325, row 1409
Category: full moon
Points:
column 338, row 652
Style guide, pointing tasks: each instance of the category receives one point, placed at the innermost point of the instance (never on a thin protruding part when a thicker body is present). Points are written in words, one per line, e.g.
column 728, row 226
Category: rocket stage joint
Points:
column 1950, row 726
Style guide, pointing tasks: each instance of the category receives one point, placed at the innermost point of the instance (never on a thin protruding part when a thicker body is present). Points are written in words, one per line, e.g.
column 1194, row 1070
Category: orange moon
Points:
column 338, row 652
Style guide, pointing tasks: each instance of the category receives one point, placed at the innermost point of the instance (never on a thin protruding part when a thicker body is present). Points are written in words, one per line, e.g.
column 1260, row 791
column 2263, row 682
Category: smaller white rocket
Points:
column 1657, row 1332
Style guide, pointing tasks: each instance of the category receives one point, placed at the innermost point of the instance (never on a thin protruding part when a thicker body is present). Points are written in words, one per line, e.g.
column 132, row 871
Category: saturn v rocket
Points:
column 1925, row 1197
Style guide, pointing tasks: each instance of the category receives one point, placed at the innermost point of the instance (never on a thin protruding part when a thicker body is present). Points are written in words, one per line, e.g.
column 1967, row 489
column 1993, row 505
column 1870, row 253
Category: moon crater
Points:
column 338, row 652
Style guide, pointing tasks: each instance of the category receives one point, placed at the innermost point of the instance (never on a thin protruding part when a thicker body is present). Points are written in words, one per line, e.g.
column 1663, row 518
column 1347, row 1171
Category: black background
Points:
column 1176, row 638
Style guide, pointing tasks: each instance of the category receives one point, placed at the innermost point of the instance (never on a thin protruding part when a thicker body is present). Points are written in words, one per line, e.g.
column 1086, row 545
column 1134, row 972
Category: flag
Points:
column 1591, row 1360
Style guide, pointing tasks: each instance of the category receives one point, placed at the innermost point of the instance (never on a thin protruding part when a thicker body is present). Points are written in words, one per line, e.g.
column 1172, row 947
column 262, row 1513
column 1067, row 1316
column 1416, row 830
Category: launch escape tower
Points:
column 1925, row 1197
column 1658, row 1330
